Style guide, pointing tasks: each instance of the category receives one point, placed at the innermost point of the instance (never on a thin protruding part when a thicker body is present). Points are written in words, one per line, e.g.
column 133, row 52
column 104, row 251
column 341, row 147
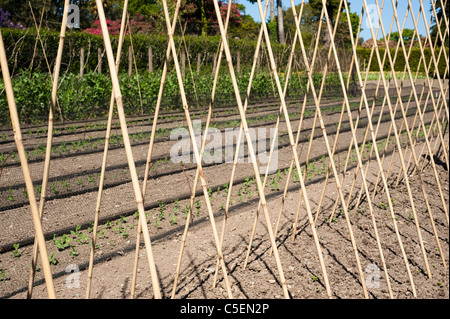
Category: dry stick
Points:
column 431, row 131
column 378, row 158
column 55, row 80
column 288, row 73
column 436, row 145
column 196, row 152
column 311, row 139
column 392, row 123
column 291, row 166
column 238, row 142
column 319, row 206
column 26, row 171
column 425, row 135
column 436, row 68
column 38, row 36
column 349, row 151
column 430, row 92
column 291, row 137
column 127, row 144
column 150, row 151
column 401, row 128
column 192, row 197
column 135, row 64
column 105, row 155
column 379, row 122
column 292, row 54
column 324, row 75
column 338, row 184
column 188, row 58
column 300, row 125
column 250, row 147
column 256, row 58
column 419, row 129
column 355, row 140
column 386, row 88
column 43, row 50
column 271, row 147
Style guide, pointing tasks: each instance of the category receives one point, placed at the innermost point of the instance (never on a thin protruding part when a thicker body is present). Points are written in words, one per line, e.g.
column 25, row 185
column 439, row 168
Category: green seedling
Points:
column 16, row 252
column 10, row 196
column 62, row 243
column 52, row 259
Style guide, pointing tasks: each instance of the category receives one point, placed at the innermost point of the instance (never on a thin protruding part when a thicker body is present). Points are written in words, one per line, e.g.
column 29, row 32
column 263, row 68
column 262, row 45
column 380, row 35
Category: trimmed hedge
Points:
column 399, row 65
column 20, row 46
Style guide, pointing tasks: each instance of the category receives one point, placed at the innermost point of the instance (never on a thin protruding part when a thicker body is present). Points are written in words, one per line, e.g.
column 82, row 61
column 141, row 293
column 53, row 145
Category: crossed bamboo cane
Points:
column 26, row 171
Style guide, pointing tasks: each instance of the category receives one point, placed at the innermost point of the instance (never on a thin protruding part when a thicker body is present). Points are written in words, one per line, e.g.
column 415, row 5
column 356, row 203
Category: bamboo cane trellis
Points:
column 414, row 164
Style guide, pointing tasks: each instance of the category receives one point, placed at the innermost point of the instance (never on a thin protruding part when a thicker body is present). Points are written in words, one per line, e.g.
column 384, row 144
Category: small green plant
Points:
column 79, row 236
column 172, row 219
column 162, row 208
column 16, row 252
column 3, row 274
column 10, row 195
column 66, row 185
column 314, row 278
column 63, row 242
column 54, row 187
column 52, row 259
column 74, row 252
column 197, row 207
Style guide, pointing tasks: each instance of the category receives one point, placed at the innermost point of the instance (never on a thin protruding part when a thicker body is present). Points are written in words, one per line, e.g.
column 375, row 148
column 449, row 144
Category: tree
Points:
column 332, row 7
column 200, row 17
column 407, row 35
column 439, row 17
column 280, row 23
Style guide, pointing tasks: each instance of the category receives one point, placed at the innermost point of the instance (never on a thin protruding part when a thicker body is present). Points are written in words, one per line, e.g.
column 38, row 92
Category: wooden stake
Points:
column 127, row 144
column 26, row 171
column 105, row 155
column 53, row 102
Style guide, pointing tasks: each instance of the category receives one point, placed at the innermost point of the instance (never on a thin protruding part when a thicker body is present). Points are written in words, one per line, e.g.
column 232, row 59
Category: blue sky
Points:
column 356, row 5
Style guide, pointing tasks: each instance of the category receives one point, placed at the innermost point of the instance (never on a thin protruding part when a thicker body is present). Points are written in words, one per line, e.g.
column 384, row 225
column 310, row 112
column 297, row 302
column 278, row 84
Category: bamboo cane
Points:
column 325, row 71
column 283, row 199
column 396, row 132
column 430, row 131
column 357, row 119
column 319, row 206
column 379, row 123
column 26, row 172
column 430, row 92
column 192, row 197
column 425, row 134
column 288, row 72
column 127, row 144
column 150, row 148
column 196, row 152
column 250, row 147
column 105, row 155
column 338, row 184
column 53, row 101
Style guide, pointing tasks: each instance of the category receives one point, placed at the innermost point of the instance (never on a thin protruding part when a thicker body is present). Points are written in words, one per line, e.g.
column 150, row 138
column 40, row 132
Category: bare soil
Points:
column 168, row 194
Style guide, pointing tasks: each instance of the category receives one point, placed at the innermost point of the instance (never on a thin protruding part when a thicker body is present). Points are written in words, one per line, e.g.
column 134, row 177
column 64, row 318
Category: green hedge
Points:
column 399, row 66
column 20, row 46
